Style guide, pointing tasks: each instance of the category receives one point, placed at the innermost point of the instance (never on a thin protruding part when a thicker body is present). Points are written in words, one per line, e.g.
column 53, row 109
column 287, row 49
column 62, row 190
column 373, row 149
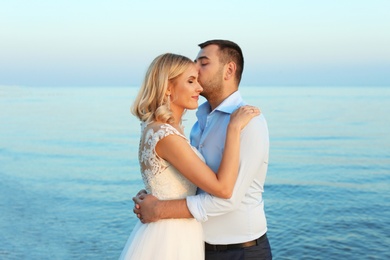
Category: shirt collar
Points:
column 229, row 105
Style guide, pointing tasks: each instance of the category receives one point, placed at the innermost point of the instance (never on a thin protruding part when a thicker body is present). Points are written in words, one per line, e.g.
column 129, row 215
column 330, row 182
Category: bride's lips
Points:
column 195, row 97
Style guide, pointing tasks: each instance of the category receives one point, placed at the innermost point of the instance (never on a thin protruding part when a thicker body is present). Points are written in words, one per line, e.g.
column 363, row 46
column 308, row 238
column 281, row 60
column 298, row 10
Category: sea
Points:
column 69, row 170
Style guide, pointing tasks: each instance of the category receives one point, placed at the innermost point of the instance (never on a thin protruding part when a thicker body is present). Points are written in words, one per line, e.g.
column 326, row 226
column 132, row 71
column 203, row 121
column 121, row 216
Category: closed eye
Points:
column 191, row 79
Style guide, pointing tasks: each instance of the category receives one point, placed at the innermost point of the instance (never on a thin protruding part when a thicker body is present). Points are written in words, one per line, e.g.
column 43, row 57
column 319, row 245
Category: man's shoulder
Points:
column 260, row 119
column 257, row 124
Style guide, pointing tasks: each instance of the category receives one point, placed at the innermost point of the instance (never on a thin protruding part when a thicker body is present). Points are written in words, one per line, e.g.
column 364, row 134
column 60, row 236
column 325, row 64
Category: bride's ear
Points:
column 168, row 91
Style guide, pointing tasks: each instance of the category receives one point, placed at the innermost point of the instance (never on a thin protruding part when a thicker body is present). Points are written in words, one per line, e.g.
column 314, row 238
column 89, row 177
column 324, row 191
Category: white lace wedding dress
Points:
column 167, row 239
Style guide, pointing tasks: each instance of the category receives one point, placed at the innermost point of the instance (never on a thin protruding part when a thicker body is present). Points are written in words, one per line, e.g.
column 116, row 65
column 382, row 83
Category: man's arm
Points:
column 255, row 136
column 253, row 165
column 150, row 209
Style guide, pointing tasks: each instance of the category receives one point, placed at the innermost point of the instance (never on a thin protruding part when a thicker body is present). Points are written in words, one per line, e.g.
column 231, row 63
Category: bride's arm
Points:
column 176, row 151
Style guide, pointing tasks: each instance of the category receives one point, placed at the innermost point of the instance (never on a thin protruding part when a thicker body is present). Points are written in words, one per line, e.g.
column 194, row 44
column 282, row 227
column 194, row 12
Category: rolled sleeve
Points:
column 195, row 207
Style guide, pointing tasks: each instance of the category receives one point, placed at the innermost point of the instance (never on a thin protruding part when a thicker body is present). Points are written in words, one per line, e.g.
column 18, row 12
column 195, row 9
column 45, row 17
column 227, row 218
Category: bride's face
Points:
column 186, row 89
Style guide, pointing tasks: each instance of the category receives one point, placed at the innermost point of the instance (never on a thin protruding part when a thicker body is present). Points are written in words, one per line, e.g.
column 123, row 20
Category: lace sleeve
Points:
column 150, row 162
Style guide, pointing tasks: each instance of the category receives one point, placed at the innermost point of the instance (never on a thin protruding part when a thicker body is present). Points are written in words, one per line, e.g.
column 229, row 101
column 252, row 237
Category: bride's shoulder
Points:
column 160, row 129
column 157, row 126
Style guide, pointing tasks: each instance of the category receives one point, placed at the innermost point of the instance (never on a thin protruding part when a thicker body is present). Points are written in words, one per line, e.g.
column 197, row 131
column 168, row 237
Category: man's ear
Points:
column 230, row 70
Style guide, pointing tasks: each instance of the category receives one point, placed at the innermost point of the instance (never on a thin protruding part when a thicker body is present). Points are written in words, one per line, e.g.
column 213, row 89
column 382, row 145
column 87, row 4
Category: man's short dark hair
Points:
column 230, row 51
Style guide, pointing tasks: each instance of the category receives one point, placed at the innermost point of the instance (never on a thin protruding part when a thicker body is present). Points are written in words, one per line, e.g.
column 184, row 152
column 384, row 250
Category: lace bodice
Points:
column 160, row 178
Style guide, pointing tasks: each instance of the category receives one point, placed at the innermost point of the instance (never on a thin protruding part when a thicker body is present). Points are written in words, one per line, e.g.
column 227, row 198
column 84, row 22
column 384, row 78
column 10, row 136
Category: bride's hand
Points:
column 241, row 117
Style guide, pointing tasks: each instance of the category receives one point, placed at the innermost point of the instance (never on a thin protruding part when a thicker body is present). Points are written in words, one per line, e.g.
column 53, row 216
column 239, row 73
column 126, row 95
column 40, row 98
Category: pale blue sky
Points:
column 111, row 43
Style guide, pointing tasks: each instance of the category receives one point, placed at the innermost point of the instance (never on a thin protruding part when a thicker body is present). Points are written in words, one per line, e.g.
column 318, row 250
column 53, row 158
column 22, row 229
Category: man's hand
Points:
column 146, row 207
column 136, row 206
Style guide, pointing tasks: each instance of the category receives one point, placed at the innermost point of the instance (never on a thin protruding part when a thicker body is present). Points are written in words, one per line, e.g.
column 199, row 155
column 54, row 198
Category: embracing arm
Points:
column 251, row 176
column 175, row 150
column 253, row 162
column 150, row 209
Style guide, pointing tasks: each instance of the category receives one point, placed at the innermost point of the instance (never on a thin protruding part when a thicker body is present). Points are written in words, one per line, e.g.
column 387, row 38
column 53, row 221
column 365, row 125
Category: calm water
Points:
column 68, row 170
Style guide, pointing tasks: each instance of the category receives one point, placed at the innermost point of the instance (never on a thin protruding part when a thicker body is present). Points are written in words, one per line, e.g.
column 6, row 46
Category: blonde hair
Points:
column 152, row 103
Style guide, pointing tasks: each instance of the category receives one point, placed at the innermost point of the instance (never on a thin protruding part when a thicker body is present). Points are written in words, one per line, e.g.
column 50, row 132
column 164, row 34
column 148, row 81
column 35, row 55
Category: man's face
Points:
column 210, row 70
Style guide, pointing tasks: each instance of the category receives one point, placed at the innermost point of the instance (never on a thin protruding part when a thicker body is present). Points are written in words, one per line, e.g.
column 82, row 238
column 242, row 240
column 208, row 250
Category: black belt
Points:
column 255, row 242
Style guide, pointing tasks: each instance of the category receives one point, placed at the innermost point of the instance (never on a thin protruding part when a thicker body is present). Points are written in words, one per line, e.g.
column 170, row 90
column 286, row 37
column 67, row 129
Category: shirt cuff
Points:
column 195, row 207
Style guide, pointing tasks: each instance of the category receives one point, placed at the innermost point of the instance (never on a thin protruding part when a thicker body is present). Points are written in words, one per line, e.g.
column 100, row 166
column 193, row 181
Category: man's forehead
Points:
column 207, row 53
column 199, row 58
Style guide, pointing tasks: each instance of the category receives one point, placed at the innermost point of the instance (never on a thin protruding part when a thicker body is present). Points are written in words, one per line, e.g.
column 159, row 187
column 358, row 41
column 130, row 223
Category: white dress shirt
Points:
column 240, row 218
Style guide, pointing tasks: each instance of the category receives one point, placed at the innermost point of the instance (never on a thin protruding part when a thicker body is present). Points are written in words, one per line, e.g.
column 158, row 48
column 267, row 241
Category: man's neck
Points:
column 216, row 101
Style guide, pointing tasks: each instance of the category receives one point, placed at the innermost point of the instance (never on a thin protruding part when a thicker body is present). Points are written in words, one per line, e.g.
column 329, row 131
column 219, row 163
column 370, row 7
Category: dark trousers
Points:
column 262, row 251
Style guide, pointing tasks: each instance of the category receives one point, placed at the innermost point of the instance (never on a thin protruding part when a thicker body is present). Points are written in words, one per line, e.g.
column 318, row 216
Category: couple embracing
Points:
column 203, row 196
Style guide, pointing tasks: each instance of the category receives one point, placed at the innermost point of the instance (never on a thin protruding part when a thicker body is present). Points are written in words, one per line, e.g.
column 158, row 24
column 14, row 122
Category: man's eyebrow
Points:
column 201, row 58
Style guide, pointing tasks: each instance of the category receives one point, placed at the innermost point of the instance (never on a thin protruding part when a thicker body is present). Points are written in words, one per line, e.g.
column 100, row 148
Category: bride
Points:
column 171, row 168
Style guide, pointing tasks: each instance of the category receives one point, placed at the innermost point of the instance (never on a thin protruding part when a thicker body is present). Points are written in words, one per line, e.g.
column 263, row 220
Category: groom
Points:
column 234, row 228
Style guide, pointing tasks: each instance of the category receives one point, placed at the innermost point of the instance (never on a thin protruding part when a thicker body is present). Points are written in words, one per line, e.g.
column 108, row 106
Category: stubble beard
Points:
column 212, row 89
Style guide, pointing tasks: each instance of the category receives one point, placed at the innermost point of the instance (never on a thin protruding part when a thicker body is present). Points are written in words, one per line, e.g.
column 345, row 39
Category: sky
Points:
column 111, row 43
